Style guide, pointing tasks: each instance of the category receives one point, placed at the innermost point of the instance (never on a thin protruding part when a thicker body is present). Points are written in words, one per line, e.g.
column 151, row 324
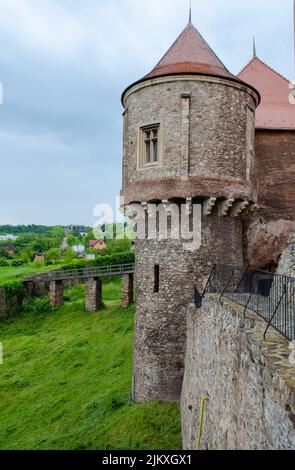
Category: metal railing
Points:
column 272, row 296
column 99, row 271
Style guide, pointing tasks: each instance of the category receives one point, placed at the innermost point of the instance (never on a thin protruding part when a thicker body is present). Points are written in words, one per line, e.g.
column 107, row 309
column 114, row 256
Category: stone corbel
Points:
column 208, row 205
column 189, row 206
column 224, row 207
column 238, row 208
column 166, row 205
column 145, row 205
column 253, row 208
column 130, row 213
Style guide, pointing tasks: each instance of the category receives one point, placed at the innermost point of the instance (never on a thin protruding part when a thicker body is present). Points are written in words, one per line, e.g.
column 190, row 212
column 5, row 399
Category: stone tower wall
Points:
column 160, row 330
column 207, row 154
column 207, row 133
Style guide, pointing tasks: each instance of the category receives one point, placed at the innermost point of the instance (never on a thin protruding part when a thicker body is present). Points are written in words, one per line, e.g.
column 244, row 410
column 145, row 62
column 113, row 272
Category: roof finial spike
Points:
column 254, row 49
column 190, row 12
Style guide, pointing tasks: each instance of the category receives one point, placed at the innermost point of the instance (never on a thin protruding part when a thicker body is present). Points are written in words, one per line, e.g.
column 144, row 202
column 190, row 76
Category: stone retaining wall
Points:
column 250, row 382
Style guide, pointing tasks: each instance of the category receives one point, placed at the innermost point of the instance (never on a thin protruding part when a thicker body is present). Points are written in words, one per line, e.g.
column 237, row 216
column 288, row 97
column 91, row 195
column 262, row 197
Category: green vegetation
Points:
column 66, row 380
column 11, row 273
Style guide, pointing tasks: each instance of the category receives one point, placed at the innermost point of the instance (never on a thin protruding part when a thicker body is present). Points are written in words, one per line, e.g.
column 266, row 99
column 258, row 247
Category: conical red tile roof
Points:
column 190, row 53
column 275, row 111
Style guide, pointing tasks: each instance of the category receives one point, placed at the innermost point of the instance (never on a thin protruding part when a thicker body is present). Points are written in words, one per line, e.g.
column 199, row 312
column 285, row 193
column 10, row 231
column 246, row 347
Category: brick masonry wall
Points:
column 269, row 228
column 275, row 157
column 160, row 328
column 250, row 382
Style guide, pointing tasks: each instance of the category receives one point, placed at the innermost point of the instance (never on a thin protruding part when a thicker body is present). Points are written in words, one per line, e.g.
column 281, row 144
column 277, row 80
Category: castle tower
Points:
column 188, row 140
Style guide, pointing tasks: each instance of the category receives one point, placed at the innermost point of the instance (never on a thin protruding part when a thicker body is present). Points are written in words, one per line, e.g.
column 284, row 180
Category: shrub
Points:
column 15, row 289
column 17, row 262
column 111, row 260
column 52, row 256
column 4, row 262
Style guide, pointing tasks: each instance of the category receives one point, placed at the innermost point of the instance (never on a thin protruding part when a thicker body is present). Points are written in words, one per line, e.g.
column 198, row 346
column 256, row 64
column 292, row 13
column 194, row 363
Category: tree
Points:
column 3, row 253
column 52, row 255
column 3, row 262
column 118, row 246
column 69, row 255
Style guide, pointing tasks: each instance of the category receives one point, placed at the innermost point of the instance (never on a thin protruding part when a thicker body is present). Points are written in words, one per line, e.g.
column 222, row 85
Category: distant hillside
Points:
column 19, row 229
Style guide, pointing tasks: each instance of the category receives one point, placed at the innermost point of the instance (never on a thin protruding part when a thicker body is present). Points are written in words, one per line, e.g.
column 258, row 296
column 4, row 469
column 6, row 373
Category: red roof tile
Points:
column 189, row 54
column 275, row 111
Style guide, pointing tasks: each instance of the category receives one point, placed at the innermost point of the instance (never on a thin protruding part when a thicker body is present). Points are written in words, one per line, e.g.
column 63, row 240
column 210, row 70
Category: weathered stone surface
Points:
column 93, row 295
column 287, row 261
column 214, row 153
column 127, row 290
column 160, row 328
column 266, row 240
column 56, row 293
column 3, row 303
column 206, row 150
column 250, row 382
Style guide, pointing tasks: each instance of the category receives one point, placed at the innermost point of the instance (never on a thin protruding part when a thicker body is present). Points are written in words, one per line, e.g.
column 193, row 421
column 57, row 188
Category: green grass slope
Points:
column 66, row 380
column 10, row 273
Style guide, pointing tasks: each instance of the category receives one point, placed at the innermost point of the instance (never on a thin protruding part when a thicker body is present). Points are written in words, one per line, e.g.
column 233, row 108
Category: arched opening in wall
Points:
column 272, row 267
column 156, row 278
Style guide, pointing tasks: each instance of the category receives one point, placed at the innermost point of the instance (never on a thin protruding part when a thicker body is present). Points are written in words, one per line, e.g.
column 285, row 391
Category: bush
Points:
column 4, row 262
column 52, row 256
column 15, row 289
column 111, row 260
column 17, row 262
column 118, row 246
column 3, row 253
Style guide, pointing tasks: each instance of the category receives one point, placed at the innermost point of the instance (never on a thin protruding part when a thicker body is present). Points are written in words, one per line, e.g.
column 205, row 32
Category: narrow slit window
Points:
column 156, row 278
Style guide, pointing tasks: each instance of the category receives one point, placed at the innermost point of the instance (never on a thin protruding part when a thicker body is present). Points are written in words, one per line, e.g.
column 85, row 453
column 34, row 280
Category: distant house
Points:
column 90, row 256
column 8, row 237
column 76, row 229
column 78, row 249
column 8, row 248
column 97, row 244
column 39, row 257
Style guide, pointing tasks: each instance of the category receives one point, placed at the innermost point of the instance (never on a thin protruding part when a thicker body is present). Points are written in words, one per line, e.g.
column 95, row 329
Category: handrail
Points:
column 208, row 281
column 274, row 313
column 80, row 273
column 249, row 299
column 226, row 285
column 260, row 291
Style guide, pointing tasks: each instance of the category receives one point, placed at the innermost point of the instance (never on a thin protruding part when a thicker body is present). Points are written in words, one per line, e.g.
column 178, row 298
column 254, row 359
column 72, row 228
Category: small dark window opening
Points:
column 156, row 278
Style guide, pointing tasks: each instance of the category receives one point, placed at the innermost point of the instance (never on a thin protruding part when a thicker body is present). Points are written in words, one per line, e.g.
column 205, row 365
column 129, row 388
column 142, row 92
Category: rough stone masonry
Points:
column 250, row 382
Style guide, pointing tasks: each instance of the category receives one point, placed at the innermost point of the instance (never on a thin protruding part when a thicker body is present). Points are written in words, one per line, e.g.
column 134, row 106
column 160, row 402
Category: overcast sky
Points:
column 63, row 66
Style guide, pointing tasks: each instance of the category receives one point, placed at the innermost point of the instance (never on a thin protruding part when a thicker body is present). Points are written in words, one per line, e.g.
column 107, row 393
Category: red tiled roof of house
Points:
column 189, row 54
column 275, row 111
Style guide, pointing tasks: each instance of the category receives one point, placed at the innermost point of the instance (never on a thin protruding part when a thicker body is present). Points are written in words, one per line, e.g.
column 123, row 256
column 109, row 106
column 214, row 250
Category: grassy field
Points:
column 66, row 380
column 8, row 273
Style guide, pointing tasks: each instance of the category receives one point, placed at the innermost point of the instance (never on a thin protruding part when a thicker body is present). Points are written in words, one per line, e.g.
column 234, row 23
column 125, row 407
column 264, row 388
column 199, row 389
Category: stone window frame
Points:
column 142, row 164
